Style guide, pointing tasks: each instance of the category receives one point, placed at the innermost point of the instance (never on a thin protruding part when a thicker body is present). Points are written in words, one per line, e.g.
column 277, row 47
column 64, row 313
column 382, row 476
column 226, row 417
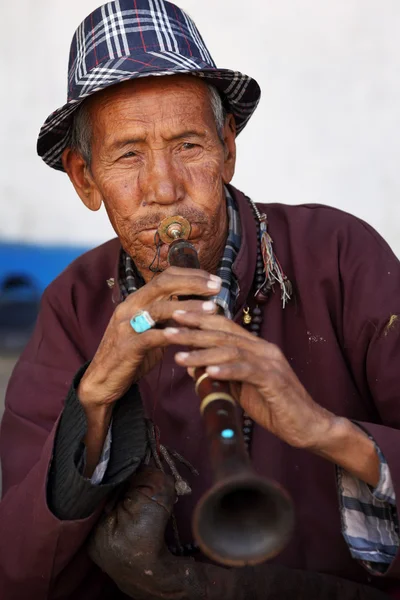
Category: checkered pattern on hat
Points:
column 127, row 39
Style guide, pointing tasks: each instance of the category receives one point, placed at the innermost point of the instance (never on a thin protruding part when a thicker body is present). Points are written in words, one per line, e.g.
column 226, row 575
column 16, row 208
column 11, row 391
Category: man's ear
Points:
column 80, row 175
column 229, row 149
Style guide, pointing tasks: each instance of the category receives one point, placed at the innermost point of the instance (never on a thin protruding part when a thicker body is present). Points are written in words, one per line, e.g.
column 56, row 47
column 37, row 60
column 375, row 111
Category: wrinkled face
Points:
column 156, row 153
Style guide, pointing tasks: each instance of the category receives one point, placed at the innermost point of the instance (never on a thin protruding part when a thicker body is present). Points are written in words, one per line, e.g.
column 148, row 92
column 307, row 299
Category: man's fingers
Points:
column 201, row 338
column 229, row 363
column 212, row 323
column 174, row 282
column 211, row 356
column 163, row 310
column 234, row 371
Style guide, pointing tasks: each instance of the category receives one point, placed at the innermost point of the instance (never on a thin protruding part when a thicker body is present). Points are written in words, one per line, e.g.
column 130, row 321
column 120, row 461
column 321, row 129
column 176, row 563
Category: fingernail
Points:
column 214, row 284
column 213, row 370
column 215, row 278
column 171, row 331
column 208, row 306
column 182, row 355
column 179, row 312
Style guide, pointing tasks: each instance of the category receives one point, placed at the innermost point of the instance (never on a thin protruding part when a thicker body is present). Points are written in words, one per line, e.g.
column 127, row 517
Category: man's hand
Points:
column 125, row 356
column 270, row 392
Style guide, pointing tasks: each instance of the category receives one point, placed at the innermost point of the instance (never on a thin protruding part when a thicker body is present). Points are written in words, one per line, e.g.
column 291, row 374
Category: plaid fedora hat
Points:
column 126, row 39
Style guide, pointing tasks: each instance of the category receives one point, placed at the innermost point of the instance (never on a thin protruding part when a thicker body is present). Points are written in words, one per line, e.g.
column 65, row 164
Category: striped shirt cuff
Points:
column 369, row 518
column 100, row 470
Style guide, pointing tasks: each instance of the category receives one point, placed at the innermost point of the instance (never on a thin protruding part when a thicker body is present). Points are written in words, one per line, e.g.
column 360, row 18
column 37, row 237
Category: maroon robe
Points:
column 335, row 335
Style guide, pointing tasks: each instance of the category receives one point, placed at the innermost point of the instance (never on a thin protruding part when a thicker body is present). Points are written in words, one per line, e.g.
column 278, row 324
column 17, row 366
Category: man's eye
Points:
column 189, row 146
column 129, row 155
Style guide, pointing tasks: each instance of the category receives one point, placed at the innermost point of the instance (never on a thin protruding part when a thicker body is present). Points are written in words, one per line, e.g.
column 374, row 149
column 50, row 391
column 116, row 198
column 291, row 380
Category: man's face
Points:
column 156, row 153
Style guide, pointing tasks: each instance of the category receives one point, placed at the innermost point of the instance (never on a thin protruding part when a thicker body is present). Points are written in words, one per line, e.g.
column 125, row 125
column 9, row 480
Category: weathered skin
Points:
column 156, row 153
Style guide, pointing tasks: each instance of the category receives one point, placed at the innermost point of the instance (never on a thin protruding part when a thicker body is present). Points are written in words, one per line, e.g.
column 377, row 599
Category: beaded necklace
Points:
column 268, row 272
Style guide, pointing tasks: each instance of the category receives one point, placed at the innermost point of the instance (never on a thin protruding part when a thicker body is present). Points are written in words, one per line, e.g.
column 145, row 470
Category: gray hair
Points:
column 81, row 130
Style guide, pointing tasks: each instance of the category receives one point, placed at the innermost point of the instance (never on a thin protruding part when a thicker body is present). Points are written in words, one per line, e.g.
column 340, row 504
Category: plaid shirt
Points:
column 369, row 516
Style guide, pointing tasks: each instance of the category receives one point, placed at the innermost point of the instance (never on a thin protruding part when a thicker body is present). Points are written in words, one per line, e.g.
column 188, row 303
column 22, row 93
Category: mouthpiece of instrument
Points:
column 174, row 228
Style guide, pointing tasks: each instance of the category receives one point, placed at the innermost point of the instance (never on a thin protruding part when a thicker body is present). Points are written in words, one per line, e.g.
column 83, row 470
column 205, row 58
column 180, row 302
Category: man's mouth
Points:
column 148, row 236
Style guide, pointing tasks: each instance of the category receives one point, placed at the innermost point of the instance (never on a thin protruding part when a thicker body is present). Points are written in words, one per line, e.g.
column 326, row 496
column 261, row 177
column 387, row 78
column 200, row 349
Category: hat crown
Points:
column 131, row 29
column 128, row 39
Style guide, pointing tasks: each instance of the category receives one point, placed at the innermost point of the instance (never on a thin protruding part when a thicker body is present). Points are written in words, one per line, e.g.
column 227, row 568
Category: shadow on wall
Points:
column 25, row 271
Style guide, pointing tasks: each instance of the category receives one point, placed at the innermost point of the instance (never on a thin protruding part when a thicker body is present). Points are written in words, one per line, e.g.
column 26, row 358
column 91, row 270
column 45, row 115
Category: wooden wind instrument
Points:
column 243, row 519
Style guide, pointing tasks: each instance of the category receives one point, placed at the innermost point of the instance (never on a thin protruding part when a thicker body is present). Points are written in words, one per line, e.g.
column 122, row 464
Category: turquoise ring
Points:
column 142, row 321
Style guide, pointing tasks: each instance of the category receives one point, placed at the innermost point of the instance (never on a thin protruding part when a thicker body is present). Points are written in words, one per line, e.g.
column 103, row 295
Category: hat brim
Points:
column 241, row 93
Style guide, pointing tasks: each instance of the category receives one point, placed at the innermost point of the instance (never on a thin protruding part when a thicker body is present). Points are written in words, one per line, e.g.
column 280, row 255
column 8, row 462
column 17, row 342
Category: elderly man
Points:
column 307, row 332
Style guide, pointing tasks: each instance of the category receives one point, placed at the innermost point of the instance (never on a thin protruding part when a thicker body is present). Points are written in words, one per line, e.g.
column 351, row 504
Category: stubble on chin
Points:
column 210, row 248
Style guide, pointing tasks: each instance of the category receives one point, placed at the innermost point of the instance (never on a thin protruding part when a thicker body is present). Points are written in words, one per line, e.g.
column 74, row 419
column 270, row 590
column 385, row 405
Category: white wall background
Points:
column 327, row 129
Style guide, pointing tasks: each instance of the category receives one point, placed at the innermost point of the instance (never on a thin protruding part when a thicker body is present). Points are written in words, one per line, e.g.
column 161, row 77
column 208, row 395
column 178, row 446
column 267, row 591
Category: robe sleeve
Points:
column 42, row 556
column 370, row 280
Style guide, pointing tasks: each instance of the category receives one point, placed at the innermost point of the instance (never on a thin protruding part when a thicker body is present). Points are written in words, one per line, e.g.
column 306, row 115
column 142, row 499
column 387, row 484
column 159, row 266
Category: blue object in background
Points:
column 41, row 264
column 25, row 271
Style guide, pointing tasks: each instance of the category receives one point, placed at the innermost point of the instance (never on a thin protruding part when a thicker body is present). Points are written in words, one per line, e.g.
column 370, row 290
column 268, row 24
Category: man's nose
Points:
column 162, row 182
